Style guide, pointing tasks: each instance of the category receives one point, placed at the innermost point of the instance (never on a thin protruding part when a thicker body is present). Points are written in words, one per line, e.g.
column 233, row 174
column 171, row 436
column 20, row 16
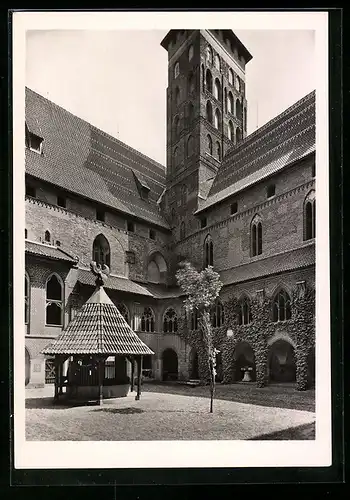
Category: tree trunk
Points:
column 207, row 339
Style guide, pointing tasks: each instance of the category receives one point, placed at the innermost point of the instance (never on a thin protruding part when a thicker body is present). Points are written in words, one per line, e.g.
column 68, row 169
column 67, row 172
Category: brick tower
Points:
column 206, row 115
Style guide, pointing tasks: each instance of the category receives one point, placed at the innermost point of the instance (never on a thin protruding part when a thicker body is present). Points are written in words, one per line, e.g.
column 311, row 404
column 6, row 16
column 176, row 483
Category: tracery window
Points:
column 124, row 312
column 281, row 307
column 244, row 312
column 147, row 320
column 54, row 301
column 256, row 236
column 208, row 252
column 101, row 252
column 310, row 216
column 217, row 315
column 170, row 321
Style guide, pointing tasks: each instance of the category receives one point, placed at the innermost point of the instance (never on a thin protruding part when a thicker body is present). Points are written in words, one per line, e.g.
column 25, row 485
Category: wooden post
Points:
column 139, row 375
column 132, row 373
column 100, row 380
column 55, row 399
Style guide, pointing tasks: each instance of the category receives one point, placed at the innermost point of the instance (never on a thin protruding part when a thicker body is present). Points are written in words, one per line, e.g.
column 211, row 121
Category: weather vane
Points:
column 101, row 272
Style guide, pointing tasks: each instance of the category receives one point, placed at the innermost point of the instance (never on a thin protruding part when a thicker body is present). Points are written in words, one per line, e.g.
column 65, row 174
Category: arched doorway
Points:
column 311, row 367
column 194, row 369
column 170, row 365
column 27, row 367
column 282, row 366
column 244, row 361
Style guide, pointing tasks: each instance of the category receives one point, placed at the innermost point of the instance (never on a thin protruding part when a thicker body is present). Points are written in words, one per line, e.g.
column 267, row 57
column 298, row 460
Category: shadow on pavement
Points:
column 301, row 432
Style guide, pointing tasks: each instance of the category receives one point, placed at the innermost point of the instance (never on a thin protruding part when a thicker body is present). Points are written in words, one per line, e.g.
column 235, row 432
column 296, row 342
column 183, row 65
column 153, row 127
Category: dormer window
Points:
column 100, row 215
column 61, row 201
column 203, row 222
column 141, row 184
column 35, row 143
column 271, row 190
column 131, row 227
column 152, row 234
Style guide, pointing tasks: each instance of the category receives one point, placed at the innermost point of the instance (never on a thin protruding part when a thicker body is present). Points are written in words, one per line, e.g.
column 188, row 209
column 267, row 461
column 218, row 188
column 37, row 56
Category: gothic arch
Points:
column 209, row 81
column 256, row 235
column 309, row 215
column 54, row 300
column 281, row 360
column 170, row 365
column 209, row 112
column 281, row 336
column 208, row 251
column 101, row 250
column 157, row 268
column 244, row 356
column 170, row 320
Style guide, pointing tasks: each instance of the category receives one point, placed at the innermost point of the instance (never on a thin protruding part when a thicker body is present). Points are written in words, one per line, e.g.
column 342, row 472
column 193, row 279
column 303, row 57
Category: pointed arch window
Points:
column 238, row 134
column 47, row 237
column 183, row 194
column 217, row 119
column 190, row 146
column 208, row 252
column 238, row 109
column 124, row 312
column 237, row 84
column 244, row 311
column 209, row 81
column 54, row 301
column 147, row 320
column 209, row 112
column 218, row 150
column 217, row 62
column 177, row 97
column 194, row 319
column 209, row 55
column 26, row 298
column 230, row 76
column 256, row 236
column 217, row 89
column 310, row 216
column 190, row 52
column 170, row 321
column 182, row 230
column 176, row 156
column 101, row 252
column 281, row 307
column 230, row 131
column 217, row 315
column 190, row 112
column 210, row 144
column 230, row 102
column 191, row 83
column 176, row 70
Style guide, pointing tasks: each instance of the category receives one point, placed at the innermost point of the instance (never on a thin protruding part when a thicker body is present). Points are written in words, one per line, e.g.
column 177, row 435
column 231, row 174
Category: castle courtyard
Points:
column 176, row 412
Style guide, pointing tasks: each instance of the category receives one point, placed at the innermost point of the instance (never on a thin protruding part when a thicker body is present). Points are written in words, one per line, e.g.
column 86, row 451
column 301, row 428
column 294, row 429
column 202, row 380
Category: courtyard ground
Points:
column 163, row 413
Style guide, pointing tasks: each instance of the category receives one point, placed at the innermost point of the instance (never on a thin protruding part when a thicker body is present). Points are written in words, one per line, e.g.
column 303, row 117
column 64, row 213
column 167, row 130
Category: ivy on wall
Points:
column 259, row 334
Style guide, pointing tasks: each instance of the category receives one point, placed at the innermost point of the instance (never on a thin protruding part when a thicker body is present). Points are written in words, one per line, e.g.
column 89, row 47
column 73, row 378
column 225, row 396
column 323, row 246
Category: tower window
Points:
column 131, row 227
column 271, row 190
column 230, row 76
column 183, row 194
column 234, row 207
column 217, row 119
column 190, row 52
column 35, row 143
column 191, row 83
column 209, row 112
column 238, row 134
column 210, row 144
column 176, row 70
column 209, row 81
column 217, row 62
column 47, row 236
column 152, row 234
column 230, row 131
column 217, row 89
column 256, row 236
column 203, row 222
column 230, row 102
column 238, row 109
column 208, row 252
column 218, row 150
column 30, row 191
column 190, row 146
column 61, row 201
column 209, row 55
column 237, row 84
column 100, row 215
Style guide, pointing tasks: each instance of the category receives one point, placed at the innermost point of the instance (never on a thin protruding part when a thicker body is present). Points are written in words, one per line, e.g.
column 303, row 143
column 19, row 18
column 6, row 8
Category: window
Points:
column 170, row 321
column 25, row 233
column 217, row 315
column 244, row 312
column 26, row 299
column 203, row 222
column 210, row 144
column 190, row 52
column 190, row 112
column 217, row 62
column 281, row 308
column 30, row 191
column 234, row 207
column 147, row 320
column 238, row 135
column 190, row 146
column 124, row 312
column 217, row 89
column 218, row 151
column 54, row 301
column 209, row 112
column 238, row 109
column 177, row 97
column 230, row 76
column 47, row 236
column 100, row 215
column 191, row 83
column 208, row 252
column 217, row 119
column 61, row 201
column 183, row 195
column 209, row 81
column 182, row 230
column 58, row 243
column 194, row 320
column 209, row 55
column 230, row 131
column 152, row 234
column 177, row 126
column 130, row 257
column 131, row 227
column 310, row 216
column 271, row 190
column 176, row 70
column 256, row 236
column 230, row 103
column 35, row 143
column 176, row 156
column 237, row 84
column 101, row 253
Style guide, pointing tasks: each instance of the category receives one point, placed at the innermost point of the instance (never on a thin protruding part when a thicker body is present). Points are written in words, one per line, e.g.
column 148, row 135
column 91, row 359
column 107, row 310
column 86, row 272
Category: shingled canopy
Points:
column 97, row 333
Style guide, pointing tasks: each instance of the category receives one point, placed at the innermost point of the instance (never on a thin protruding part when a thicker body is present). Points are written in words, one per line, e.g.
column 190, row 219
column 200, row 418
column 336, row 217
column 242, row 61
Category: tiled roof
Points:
column 286, row 261
column 98, row 328
column 284, row 140
column 121, row 284
column 48, row 251
column 82, row 159
column 163, row 292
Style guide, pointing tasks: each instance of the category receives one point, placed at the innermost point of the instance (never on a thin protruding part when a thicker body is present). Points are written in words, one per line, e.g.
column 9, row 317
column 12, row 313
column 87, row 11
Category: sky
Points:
column 117, row 80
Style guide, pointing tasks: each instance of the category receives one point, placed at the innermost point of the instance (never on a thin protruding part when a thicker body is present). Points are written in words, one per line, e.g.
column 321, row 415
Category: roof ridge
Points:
column 154, row 162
